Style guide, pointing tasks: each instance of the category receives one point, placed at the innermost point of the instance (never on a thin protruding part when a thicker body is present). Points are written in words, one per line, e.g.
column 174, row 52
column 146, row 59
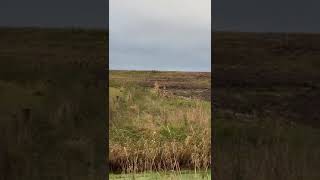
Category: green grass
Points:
column 184, row 175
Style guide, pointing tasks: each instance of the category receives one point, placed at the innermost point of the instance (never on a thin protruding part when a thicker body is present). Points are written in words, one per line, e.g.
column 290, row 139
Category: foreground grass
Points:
column 184, row 175
column 154, row 130
column 266, row 149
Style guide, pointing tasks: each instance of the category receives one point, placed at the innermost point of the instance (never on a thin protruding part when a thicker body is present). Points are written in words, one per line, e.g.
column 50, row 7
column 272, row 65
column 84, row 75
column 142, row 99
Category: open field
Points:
column 196, row 85
column 52, row 103
column 266, row 99
column 159, row 121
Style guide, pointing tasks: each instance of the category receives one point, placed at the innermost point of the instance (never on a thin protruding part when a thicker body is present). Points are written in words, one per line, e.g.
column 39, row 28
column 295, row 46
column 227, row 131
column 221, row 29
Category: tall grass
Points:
column 153, row 130
column 268, row 149
column 50, row 131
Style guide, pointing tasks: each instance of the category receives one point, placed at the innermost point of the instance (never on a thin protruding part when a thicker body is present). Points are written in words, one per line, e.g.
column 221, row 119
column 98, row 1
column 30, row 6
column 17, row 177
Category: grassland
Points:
column 266, row 99
column 159, row 121
column 52, row 103
column 52, row 92
column 182, row 175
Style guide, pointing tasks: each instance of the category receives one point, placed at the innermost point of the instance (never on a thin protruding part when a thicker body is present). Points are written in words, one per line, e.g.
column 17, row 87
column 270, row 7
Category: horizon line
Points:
column 56, row 27
column 153, row 70
column 108, row 29
column 265, row 32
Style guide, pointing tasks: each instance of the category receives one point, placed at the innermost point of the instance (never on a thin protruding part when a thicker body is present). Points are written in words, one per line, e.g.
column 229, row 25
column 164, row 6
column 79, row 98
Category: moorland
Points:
column 266, row 105
column 160, row 122
column 52, row 103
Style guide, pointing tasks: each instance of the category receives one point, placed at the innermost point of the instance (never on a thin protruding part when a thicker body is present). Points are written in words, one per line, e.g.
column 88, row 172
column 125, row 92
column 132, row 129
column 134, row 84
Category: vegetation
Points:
column 184, row 175
column 52, row 110
column 153, row 128
column 266, row 94
column 53, row 100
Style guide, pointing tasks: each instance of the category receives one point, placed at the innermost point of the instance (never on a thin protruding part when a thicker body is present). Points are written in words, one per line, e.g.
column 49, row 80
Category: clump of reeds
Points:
column 161, row 91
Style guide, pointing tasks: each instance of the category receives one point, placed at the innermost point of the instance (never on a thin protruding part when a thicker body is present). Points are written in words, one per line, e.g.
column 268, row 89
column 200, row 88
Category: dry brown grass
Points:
column 153, row 130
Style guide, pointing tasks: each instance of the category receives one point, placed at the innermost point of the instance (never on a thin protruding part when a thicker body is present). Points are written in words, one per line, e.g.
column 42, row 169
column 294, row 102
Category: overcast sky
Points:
column 160, row 35
column 266, row 15
column 238, row 15
column 54, row 13
column 164, row 34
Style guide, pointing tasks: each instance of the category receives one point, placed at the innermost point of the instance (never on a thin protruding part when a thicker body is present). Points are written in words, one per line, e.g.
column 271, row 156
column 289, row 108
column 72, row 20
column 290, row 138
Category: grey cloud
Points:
column 142, row 37
column 54, row 13
column 266, row 15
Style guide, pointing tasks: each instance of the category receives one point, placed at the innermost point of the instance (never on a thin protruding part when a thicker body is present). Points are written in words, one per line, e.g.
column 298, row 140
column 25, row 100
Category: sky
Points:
column 266, row 15
column 166, row 35
column 237, row 15
column 54, row 13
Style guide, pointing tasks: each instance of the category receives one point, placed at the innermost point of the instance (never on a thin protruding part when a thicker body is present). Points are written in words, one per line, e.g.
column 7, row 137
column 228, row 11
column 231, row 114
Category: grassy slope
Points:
column 266, row 94
column 56, row 76
column 151, row 131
